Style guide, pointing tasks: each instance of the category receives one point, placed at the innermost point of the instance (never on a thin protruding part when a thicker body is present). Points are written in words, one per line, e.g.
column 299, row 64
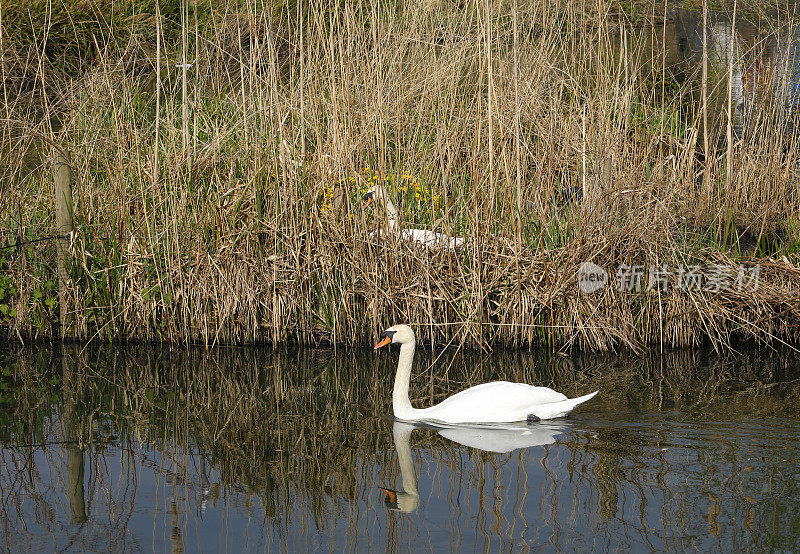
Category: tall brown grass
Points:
column 200, row 191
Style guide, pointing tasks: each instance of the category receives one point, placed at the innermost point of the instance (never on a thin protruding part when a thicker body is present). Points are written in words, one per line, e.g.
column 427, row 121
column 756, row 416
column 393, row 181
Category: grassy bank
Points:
column 219, row 203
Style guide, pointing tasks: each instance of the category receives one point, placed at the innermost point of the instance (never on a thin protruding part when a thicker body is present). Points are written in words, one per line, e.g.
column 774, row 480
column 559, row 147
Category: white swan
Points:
column 428, row 239
column 495, row 402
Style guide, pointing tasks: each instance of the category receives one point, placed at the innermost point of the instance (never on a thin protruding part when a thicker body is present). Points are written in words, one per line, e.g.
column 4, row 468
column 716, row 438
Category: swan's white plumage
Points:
column 431, row 239
column 423, row 237
column 495, row 402
column 501, row 401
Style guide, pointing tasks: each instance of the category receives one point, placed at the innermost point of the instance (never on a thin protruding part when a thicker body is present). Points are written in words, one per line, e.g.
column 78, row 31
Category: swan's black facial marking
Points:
column 386, row 338
column 367, row 199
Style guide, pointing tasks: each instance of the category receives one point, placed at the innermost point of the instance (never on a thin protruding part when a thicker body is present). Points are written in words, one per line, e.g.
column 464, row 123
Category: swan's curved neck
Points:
column 400, row 402
column 391, row 213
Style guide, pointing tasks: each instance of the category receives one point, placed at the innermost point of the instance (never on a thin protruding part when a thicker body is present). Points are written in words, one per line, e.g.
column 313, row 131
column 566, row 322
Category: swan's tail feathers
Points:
column 558, row 409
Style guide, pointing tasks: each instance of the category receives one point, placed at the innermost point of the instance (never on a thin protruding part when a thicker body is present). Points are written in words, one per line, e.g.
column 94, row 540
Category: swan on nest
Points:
column 423, row 237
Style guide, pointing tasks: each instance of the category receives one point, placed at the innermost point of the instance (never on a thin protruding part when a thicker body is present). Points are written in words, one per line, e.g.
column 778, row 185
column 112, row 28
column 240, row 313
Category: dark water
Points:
column 138, row 449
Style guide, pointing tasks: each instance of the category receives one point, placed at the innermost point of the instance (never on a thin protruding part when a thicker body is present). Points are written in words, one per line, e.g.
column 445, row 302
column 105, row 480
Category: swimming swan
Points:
column 495, row 402
column 428, row 239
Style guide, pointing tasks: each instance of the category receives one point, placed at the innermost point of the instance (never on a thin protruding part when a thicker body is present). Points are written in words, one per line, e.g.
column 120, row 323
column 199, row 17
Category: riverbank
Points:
column 218, row 159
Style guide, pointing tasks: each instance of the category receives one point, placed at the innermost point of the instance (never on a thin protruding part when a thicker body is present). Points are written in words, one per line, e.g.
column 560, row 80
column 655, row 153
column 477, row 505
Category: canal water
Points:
column 151, row 449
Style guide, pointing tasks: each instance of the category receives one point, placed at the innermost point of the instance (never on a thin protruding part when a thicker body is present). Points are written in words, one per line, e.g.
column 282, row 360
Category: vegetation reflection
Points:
column 111, row 448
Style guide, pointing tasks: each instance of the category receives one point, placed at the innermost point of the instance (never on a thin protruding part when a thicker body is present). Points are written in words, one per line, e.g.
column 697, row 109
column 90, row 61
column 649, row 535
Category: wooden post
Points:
column 64, row 227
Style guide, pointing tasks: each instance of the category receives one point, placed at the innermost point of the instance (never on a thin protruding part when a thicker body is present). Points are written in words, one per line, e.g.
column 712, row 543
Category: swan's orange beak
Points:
column 367, row 202
column 384, row 342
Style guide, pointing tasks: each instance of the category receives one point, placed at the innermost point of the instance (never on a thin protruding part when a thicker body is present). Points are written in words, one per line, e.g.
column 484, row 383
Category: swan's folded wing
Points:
column 496, row 401
column 432, row 239
column 559, row 409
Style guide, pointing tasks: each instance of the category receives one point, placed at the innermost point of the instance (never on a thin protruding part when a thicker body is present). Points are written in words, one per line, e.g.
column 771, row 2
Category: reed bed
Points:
column 219, row 153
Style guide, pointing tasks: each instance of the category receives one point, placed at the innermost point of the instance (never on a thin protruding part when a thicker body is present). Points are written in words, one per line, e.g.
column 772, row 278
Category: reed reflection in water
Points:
column 156, row 449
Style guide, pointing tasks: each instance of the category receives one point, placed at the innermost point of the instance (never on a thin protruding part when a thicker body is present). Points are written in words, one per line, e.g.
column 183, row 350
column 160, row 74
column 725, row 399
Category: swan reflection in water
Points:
column 498, row 438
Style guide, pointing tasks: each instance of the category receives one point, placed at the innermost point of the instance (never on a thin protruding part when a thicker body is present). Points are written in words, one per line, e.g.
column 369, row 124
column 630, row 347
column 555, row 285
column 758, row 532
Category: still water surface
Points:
column 137, row 449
